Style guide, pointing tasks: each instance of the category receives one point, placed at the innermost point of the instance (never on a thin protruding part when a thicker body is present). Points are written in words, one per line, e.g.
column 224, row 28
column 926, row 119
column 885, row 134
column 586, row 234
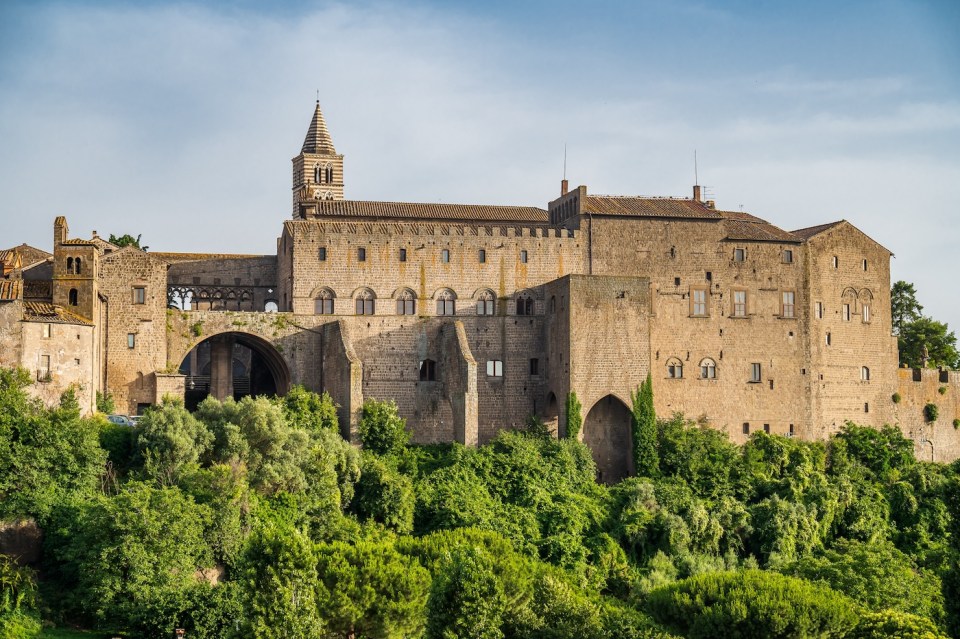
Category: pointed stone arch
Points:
column 607, row 433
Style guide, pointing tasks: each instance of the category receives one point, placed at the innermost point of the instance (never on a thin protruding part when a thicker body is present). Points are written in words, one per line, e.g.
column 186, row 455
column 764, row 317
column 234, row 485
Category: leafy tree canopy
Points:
column 127, row 240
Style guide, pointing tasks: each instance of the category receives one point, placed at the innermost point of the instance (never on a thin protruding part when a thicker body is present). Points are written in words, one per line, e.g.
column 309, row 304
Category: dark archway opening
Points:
column 233, row 365
column 551, row 416
column 606, row 431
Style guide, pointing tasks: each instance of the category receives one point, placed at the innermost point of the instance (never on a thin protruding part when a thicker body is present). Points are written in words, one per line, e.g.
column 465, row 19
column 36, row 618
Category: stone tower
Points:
column 76, row 265
column 318, row 170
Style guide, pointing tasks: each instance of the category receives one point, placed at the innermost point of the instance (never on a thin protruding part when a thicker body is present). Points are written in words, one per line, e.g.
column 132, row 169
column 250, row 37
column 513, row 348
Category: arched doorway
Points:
column 233, row 365
column 606, row 431
column 551, row 415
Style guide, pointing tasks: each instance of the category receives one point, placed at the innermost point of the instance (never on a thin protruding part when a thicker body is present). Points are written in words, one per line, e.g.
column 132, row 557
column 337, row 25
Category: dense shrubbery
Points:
column 254, row 518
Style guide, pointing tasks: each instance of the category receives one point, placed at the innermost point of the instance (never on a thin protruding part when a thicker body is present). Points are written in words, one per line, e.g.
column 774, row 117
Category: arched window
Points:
column 486, row 303
column 524, row 305
column 553, row 303
column 271, row 306
column 76, row 266
column 73, row 297
column 708, row 369
column 446, row 302
column 674, row 368
column 317, row 174
column 328, row 174
column 323, row 302
column 366, row 302
column 864, row 373
column 69, row 265
column 428, row 371
column 406, row 302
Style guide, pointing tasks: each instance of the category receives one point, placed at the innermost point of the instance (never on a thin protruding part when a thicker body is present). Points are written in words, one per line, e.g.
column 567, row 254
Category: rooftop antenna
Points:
column 564, row 160
column 696, row 175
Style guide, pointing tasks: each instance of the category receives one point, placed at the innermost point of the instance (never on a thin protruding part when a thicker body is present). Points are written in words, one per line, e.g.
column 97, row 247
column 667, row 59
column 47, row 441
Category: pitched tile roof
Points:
column 11, row 289
column 634, row 206
column 810, row 231
column 318, row 139
column 30, row 254
column 42, row 312
column 197, row 257
column 77, row 241
column 347, row 209
column 743, row 226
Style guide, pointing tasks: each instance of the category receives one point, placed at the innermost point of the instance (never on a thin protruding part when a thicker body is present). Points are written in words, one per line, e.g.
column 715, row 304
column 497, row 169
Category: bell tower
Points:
column 318, row 170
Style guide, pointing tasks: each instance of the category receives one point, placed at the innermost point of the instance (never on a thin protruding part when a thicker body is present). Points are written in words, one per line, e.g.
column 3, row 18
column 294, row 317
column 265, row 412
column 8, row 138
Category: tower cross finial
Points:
column 318, row 96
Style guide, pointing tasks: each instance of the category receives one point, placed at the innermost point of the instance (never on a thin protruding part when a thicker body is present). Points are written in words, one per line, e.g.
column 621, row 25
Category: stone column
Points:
column 221, row 367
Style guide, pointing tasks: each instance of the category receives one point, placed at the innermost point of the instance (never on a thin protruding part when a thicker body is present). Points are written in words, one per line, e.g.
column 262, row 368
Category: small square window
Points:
column 403, row 255
column 676, row 281
column 755, row 372
column 428, row 371
column 766, row 428
column 523, row 256
column 746, row 428
column 131, row 340
column 790, row 431
column 139, row 295
column 445, row 256
column 866, row 407
column 788, row 256
column 361, row 254
column 494, row 368
column 482, row 256
column 739, row 254
column 323, row 253
column 534, row 366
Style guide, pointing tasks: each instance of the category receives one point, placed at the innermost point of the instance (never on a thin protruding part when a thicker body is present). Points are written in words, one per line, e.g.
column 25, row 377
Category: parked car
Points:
column 123, row 420
column 136, row 419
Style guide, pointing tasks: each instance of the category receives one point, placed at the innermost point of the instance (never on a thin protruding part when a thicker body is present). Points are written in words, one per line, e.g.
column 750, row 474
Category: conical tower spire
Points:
column 318, row 138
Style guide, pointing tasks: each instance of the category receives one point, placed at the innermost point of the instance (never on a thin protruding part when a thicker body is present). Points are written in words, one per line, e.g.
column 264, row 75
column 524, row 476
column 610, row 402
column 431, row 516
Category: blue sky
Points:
column 178, row 120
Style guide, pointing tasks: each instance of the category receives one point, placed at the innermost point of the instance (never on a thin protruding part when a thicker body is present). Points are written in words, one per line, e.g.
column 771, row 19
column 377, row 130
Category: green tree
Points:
column 384, row 495
column 644, row 423
column 877, row 575
column 467, row 599
column 381, row 429
column 574, row 413
column 310, row 411
column 368, row 589
column 127, row 240
column 752, row 603
column 170, row 442
column 890, row 623
column 904, row 307
column 930, row 340
column 105, row 403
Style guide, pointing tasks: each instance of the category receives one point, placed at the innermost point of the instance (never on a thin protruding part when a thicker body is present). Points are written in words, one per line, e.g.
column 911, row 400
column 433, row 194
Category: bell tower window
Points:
column 73, row 297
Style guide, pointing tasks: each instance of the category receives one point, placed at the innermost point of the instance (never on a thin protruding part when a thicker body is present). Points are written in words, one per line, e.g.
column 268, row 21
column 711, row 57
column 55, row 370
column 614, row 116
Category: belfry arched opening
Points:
column 233, row 365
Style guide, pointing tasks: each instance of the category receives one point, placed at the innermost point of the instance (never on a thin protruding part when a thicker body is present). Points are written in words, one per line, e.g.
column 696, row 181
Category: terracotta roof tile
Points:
column 743, row 226
column 810, row 231
column 634, row 206
column 37, row 289
column 42, row 312
column 77, row 241
column 11, row 289
column 348, row 209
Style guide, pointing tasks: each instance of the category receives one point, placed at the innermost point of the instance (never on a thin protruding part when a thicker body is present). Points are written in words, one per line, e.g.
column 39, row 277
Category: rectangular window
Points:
column 494, row 368
column 866, row 313
column 47, row 330
column 403, row 255
column 755, row 373
column 406, row 307
column 818, row 310
column 698, row 298
column 428, row 371
column 739, row 254
column 365, row 306
column 523, row 257
column 766, row 428
column 787, row 308
column 829, row 339
column 739, row 303
column 361, row 254
column 836, row 262
column 790, row 432
column 43, row 369
column 746, row 428
column 445, row 256
column 846, row 312
column 534, row 366
column 324, row 306
column 482, row 256
column 323, row 253
column 139, row 295
column 788, row 256
column 864, row 265
column 485, row 307
column 131, row 340
column 446, row 307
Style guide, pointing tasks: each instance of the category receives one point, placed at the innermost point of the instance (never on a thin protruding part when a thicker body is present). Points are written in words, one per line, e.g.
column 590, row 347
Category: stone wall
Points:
column 938, row 440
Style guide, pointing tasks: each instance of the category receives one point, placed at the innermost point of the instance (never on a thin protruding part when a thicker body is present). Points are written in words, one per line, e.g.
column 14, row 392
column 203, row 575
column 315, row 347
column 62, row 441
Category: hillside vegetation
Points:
column 256, row 519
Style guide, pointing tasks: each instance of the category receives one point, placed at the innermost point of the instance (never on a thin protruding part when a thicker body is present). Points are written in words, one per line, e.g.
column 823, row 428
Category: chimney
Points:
column 697, row 196
column 564, row 187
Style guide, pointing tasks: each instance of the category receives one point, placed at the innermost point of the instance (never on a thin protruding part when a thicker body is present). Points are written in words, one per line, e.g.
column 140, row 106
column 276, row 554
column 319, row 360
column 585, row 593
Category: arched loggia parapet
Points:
column 607, row 432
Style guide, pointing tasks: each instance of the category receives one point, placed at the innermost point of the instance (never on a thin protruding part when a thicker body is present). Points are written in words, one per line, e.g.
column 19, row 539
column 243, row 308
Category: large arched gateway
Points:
column 606, row 431
column 234, row 365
